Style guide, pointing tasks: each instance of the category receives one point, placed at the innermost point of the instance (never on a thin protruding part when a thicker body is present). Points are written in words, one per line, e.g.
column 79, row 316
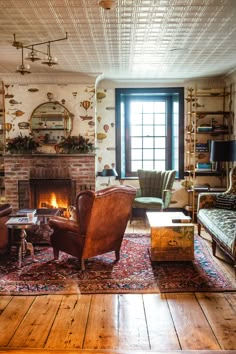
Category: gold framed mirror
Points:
column 51, row 121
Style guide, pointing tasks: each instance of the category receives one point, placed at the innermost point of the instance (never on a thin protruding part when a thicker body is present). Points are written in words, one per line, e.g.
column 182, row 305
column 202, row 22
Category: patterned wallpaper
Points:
column 21, row 100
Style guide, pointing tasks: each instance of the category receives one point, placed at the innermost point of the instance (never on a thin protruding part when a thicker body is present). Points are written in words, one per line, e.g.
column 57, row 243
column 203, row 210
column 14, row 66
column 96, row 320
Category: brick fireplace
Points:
column 77, row 171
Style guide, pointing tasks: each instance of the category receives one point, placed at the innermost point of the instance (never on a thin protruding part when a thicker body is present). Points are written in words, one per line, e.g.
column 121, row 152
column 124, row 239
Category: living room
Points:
column 138, row 45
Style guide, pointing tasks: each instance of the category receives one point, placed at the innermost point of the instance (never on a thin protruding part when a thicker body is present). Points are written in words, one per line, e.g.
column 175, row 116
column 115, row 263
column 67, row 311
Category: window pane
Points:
column 148, row 130
column 136, row 119
column 160, row 154
column 148, row 154
column 148, row 143
column 160, row 130
column 160, row 142
column 136, row 154
column 136, row 130
column 160, row 165
column 148, row 165
column 136, row 143
column 136, row 165
column 148, row 119
column 160, row 119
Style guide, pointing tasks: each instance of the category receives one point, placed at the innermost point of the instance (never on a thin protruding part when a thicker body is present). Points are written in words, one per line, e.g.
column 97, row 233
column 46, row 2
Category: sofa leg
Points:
column 213, row 247
column 199, row 226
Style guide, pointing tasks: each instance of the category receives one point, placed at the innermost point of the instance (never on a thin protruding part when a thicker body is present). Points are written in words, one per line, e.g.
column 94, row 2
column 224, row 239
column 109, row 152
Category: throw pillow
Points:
column 226, row 201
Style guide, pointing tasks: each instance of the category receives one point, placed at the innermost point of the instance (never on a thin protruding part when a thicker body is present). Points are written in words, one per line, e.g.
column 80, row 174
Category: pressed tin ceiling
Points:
column 137, row 40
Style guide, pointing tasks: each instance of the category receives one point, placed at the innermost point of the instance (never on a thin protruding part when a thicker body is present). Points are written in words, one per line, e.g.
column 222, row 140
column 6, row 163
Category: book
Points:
column 181, row 218
column 21, row 220
column 24, row 212
column 186, row 219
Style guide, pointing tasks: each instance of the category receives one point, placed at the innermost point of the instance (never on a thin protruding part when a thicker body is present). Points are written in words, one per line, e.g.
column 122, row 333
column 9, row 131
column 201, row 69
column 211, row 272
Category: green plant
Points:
column 22, row 144
column 76, row 144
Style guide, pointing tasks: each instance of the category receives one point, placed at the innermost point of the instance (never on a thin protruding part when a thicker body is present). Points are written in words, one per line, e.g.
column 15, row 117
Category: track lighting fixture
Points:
column 33, row 55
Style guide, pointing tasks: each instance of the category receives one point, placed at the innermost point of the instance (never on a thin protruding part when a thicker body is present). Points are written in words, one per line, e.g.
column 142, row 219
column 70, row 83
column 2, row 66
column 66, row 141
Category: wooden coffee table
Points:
column 172, row 236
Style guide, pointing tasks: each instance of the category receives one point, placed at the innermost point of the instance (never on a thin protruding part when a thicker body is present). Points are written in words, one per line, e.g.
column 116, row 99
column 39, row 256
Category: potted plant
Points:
column 22, row 144
column 75, row 144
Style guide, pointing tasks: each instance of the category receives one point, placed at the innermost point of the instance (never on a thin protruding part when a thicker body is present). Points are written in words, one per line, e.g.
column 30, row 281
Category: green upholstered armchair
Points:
column 155, row 189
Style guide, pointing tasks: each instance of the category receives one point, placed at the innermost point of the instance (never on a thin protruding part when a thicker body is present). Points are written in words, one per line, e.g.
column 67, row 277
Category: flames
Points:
column 53, row 200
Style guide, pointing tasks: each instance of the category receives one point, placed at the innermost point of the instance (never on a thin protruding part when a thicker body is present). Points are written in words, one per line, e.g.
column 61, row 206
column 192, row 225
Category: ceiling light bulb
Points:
column 23, row 69
column 32, row 56
column 48, row 60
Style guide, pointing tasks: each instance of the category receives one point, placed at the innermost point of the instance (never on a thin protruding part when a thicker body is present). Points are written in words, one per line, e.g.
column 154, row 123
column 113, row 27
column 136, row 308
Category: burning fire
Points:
column 53, row 200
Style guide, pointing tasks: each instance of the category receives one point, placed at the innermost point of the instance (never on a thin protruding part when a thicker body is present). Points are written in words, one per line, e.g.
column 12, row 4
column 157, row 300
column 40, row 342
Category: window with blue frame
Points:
column 150, row 130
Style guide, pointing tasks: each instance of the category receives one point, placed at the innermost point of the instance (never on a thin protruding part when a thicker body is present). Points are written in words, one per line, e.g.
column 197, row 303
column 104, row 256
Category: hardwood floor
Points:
column 108, row 323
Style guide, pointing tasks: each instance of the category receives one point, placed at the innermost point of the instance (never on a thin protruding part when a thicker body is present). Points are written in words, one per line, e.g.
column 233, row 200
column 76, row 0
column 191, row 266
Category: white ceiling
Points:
column 138, row 39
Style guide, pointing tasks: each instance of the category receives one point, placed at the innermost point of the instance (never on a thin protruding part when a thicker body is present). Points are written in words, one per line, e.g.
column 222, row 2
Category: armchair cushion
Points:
column 149, row 202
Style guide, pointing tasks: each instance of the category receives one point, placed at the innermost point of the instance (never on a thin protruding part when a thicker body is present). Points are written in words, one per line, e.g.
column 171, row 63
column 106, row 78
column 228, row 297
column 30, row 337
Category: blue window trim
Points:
column 121, row 135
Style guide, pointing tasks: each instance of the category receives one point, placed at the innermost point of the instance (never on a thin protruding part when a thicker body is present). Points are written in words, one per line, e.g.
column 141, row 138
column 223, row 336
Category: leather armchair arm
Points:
column 60, row 223
column 5, row 209
column 166, row 197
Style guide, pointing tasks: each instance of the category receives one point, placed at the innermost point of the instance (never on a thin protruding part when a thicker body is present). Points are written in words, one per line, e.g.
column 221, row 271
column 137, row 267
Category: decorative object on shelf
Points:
column 8, row 127
column 22, row 144
column 75, row 144
column 109, row 172
column 33, row 55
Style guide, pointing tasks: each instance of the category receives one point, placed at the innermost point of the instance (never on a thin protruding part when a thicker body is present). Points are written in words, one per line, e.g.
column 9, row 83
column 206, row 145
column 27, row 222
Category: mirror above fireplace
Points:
column 51, row 121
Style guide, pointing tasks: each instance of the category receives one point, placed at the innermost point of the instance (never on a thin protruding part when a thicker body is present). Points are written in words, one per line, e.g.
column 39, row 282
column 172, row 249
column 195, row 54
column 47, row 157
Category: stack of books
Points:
column 202, row 147
column 203, row 166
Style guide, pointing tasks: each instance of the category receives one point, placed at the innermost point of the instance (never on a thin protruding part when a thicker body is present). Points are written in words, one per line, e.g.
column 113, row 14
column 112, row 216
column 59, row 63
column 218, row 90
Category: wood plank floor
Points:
column 126, row 323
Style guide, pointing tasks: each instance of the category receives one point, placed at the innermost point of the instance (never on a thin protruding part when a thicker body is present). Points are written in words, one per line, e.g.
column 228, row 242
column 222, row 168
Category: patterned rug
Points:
column 134, row 273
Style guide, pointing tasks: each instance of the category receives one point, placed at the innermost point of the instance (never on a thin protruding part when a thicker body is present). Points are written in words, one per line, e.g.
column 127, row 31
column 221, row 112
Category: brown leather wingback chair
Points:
column 5, row 211
column 102, row 218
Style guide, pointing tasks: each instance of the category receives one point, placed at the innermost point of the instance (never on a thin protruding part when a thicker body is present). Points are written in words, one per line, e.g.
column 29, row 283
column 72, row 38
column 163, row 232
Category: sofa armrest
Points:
column 206, row 200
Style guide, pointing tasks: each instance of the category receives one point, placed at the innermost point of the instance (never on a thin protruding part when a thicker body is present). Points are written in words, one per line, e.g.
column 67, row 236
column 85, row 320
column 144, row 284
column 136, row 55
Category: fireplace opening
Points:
column 51, row 193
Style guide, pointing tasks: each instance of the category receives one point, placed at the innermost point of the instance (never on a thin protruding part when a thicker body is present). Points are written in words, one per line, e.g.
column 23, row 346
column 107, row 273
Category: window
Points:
column 150, row 130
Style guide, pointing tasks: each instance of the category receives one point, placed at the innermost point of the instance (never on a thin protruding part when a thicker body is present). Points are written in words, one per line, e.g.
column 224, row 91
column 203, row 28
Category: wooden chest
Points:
column 172, row 243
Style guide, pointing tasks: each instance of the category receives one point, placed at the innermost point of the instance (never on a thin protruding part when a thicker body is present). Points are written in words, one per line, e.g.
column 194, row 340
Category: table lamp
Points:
column 109, row 172
column 222, row 151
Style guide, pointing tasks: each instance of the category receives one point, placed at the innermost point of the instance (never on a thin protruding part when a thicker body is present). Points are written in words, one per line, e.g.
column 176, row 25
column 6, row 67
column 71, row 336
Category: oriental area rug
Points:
column 134, row 273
